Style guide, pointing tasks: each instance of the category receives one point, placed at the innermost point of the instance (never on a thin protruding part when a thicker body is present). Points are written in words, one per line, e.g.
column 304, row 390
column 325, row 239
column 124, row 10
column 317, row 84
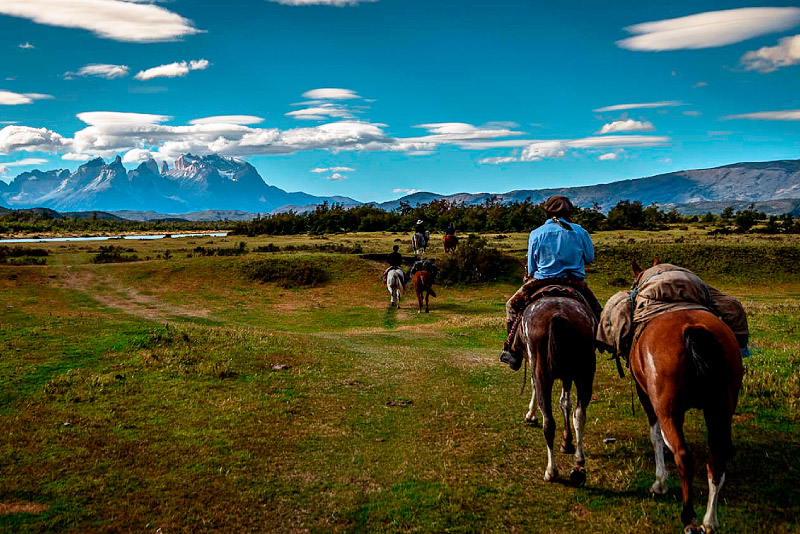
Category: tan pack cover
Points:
column 616, row 322
column 663, row 288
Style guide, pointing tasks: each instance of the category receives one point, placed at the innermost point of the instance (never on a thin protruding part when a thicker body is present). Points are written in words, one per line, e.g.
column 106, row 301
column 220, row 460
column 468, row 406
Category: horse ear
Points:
column 636, row 269
column 655, row 260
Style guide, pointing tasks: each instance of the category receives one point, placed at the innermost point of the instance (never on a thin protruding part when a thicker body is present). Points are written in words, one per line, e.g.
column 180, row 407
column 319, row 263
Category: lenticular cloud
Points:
column 111, row 19
column 710, row 29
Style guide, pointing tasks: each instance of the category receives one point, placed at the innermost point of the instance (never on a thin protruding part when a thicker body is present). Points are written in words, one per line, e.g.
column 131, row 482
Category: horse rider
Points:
column 395, row 261
column 557, row 252
column 428, row 264
column 451, row 230
column 419, row 228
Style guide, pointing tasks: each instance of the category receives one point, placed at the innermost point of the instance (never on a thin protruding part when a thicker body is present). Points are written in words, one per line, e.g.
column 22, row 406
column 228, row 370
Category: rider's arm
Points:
column 532, row 254
column 588, row 248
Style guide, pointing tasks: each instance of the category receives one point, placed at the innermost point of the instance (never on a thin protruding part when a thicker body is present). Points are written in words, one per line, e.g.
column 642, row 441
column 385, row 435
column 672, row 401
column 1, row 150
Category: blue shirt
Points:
column 555, row 252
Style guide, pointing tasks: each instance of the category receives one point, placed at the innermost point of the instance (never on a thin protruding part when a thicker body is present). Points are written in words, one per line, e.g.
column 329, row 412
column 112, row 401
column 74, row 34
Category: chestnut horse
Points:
column 450, row 242
column 423, row 283
column 688, row 359
column 557, row 334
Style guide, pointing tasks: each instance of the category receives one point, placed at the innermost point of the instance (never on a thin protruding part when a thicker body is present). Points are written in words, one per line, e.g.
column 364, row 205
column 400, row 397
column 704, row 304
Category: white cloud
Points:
column 628, row 125
column 24, row 162
column 785, row 115
column 100, row 70
column 26, row 46
column 642, row 105
column 700, row 84
column 499, row 160
column 336, row 3
column 111, row 19
column 693, row 113
column 770, row 58
column 172, row 70
column 406, row 191
column 26, row 139
column 71, row 156
column 558, row 148
column 336, row 177
column 137, row 155
column 8, row 98
column 710, row 29
column 228, row 119
column 610, row 156
column 330, row 93
column 322, row 112
column 320, row 170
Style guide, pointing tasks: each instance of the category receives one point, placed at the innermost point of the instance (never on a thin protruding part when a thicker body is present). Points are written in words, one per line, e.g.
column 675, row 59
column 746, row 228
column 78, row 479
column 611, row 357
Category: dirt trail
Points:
column 113, row 294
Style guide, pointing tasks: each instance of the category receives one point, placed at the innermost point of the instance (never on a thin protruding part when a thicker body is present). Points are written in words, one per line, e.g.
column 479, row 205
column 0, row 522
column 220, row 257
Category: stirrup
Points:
column 512, row 360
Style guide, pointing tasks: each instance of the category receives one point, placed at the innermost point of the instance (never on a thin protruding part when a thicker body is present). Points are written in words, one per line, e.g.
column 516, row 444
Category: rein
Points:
column 524, row 376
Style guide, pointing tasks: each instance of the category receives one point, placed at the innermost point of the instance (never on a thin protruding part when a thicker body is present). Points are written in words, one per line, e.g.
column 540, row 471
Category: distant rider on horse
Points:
column 557, row 253
column 395, row 261
column 451, row 230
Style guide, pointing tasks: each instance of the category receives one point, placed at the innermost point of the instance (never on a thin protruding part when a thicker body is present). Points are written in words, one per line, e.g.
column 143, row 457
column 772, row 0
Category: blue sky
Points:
column 389, row 96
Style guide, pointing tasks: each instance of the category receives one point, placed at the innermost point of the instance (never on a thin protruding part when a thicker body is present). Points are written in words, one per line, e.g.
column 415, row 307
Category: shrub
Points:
column 286, row 273
column 474, row 261
column 112, row 254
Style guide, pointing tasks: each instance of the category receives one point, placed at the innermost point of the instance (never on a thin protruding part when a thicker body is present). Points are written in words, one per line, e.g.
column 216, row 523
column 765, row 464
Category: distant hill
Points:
column 759, row 182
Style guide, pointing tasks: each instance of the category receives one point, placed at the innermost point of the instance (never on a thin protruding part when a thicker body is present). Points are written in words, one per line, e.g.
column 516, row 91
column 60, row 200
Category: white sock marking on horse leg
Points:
column 552, row 469
column 566, row 404
column 710, row 520
column 579, row 421
column 657, row 439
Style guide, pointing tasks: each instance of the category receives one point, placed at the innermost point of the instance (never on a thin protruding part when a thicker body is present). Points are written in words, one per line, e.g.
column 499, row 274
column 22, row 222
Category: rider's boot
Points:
column 513, row 360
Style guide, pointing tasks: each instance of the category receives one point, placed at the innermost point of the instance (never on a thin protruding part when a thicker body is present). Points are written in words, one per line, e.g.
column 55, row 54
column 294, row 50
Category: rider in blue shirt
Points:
column 557, row 252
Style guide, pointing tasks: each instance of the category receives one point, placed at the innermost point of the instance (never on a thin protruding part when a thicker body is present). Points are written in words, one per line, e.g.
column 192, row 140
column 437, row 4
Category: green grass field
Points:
column 179, row 395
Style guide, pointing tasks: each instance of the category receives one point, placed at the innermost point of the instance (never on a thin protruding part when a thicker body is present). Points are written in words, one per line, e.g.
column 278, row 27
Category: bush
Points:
column 286, row 273
column 474, row 262
column 112, row 254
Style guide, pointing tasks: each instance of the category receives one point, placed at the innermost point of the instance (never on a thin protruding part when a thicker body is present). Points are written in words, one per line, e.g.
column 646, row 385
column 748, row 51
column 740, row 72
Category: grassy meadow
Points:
column 176, row 393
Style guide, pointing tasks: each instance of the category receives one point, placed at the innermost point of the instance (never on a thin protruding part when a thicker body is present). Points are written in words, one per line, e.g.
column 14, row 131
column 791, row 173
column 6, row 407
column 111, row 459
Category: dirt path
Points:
column 113, row 294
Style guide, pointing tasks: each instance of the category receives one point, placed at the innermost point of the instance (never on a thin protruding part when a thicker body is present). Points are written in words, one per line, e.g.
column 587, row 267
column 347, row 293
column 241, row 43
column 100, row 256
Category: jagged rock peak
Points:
column 118, row 160
column 164, row 167
column 149, row 165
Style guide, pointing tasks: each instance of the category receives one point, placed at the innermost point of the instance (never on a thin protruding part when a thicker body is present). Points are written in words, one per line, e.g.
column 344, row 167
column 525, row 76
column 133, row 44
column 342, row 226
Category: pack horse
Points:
column 688, row 359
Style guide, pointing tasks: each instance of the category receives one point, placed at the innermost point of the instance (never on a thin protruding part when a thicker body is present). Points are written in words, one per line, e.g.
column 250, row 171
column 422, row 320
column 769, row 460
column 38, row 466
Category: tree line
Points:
column 496, row 216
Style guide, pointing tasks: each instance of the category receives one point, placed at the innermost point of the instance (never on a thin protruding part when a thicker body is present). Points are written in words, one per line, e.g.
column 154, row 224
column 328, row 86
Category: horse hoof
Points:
column 693, row 528
column 568, row 449
column 550, row 477
column 577, row 477
column 532, row 421
column 658, row 488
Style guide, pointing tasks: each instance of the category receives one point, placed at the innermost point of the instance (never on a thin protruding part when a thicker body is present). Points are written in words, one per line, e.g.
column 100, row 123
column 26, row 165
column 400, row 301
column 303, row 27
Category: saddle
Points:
column 540, row 291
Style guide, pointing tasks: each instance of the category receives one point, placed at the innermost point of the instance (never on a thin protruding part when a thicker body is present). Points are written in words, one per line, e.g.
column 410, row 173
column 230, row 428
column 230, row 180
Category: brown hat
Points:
column 558, row 206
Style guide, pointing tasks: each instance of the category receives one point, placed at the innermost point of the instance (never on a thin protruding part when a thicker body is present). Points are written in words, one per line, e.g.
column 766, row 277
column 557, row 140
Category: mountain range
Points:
column 223, row 187
column 195, row 183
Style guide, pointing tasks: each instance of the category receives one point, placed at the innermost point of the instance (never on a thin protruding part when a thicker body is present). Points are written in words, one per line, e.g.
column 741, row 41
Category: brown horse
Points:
column 423, row 283
column 557, row 334
column 450, row 242
column 688, row 359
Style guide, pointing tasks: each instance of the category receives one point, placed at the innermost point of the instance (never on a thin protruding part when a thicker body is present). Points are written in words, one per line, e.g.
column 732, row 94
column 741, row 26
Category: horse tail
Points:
column 558, row 328
column 705, row 352
column 431, row 292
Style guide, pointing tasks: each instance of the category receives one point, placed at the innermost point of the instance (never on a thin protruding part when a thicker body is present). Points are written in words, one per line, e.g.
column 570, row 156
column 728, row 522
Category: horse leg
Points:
column 657, row 440
column 545, row 389
column 720, row 449
column 427, row 295
column 584, row 393
column 672, row 432
column 567, row 447
column 530, row 417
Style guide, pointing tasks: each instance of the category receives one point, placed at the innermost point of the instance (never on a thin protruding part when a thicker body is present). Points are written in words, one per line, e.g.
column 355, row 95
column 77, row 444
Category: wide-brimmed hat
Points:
column 419, row 221
column 558, row 206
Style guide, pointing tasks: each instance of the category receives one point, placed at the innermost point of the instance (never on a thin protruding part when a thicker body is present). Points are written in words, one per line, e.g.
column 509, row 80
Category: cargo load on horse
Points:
column 425, row 265
column 662, row 288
